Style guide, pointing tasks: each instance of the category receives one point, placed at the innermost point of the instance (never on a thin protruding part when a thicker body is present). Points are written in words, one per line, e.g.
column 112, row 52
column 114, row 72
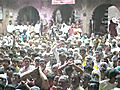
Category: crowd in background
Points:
column 58, row 57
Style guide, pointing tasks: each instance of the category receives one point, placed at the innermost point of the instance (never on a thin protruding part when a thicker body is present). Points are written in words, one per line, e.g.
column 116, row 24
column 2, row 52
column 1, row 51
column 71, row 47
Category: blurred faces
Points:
column 55, row 69
column 63, row 83
column 85, row 80
column 83, row 52
column 118, row 80
column 9, row 72
column 26, row 62
column 6, row 63
column 75, row 81
column 118, row 63
column 2, row 81
column 55, row 82
column 15, row 79
column 62, row 57
column 1, row 55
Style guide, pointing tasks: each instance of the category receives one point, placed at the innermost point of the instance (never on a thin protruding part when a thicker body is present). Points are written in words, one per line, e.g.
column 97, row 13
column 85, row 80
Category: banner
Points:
column 1, row 13
column 57, row 2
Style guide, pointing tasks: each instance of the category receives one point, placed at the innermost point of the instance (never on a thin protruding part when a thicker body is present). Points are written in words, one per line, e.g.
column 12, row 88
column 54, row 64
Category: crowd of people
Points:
column 63, row 58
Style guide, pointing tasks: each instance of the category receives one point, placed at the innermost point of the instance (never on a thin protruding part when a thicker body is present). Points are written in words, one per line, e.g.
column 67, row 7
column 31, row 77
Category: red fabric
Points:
column 52, row 88
column 71, row 31
column 112, row 29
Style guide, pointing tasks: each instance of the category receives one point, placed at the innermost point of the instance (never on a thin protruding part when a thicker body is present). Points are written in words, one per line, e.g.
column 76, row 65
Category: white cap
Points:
column 114, row 20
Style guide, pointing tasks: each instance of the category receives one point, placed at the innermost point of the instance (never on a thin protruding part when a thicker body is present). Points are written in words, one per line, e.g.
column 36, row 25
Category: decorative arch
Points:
column 28, row 14
column 100, row 18
column 65, row 10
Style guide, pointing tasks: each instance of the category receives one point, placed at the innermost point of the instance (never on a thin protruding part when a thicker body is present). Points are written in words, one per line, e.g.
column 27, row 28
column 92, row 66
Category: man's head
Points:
column 2, row 87
column 63, row 82
column 15, row 78
column 50, row 77
column 6, row 62
column 3, row 79
column 26, row 61
column 86, row 79
column 10, row 87
column 22, row 52
column 103, row 66
column 55, row 69
column 10, row 22
column 1, row 55
column 75, row 80
column 112, row 73
column 55, row 81
column 98, row 56
column 89, row 61
column 10, row 71
column 118, row 62
column 82, row 51
column 62, row 57
column 118, row 79
column 40, row 62
column 93, row 85
column 96, row 74
column 69, row 70
column 88, row 69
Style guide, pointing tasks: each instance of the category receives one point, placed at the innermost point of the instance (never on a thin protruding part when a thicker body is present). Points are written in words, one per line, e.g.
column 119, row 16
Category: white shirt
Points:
column 10, row 28
column 37, row 28
column 105, row 85
column 22, row 28
column 65, row 28
column 17, row 27
column 118, row 29
column 22, row 71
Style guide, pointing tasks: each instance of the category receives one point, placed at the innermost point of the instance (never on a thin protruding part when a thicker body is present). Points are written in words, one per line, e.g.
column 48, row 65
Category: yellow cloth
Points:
column 95, row 67
column 84, row 62
column 17, row 69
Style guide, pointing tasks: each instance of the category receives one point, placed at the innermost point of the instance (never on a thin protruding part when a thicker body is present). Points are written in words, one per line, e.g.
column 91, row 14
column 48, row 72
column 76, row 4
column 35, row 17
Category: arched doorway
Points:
column 101, row 17
column 28, row 14
column 113, row 11
column 63, row 13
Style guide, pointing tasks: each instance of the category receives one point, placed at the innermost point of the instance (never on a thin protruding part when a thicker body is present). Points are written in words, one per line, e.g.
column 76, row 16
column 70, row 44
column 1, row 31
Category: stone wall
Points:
column 84, row 10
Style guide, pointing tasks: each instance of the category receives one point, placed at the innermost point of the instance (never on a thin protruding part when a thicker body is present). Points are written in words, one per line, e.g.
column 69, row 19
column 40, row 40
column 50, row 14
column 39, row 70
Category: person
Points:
column 55, row 82
column 10, row 71
column 118, row 83
column 93, row 85
column 10, row 27
column 2, row 87
column 112, row 28
column 118, row 28
column 24, row 36
column 63, row 83
column 17, row 27
column 37, row 28
column 44, row 78
column 110, row 82
column 75, row 81
column 15, row 79
column 62, row 63
column 69, row 70
column 27, row 67
column 71, row 29
column 85, row 80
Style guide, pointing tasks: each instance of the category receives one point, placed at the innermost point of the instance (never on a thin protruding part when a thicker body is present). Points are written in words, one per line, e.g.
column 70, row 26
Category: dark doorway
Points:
column 66, row 12
column 100, row 19
column 28, row 14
